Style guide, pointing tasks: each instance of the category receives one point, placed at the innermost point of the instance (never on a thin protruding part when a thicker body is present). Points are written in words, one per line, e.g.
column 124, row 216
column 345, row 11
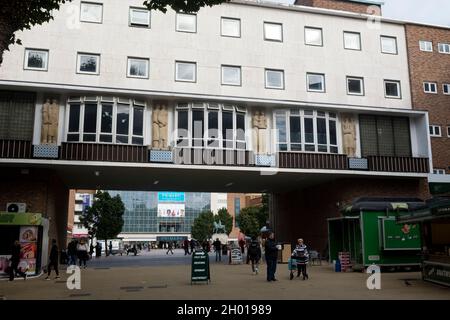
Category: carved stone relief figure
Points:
column 349, row 135
column 50, row 117
column 159, row 127
column 259, row 123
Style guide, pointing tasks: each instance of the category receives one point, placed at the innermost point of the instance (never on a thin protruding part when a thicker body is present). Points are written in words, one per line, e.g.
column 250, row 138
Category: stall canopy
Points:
column 383, row 204
column 436, row 208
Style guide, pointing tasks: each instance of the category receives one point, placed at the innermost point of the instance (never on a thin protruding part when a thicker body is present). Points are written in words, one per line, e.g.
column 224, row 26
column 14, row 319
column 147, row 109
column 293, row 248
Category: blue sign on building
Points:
column 171, row 197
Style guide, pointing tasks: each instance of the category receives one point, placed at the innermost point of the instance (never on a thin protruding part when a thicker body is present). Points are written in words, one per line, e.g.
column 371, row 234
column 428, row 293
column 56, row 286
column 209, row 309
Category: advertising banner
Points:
column 171, row 197
column 171, row 210
column 28, row 237
column 31, row 219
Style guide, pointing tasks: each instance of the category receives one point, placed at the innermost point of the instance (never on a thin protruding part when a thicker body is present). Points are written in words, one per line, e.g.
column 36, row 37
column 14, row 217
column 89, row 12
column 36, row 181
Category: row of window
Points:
column 427, row 46
column 231, row 27
column 435, row 131
column 186, row 71
column 432, row 87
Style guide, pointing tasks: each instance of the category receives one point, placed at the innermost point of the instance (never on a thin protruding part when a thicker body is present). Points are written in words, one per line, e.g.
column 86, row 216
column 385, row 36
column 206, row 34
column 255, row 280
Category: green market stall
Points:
column 369, row 232
column 435, row 227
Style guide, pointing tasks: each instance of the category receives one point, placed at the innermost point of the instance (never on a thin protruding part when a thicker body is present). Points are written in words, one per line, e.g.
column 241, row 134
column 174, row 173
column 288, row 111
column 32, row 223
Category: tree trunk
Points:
column 6, row 34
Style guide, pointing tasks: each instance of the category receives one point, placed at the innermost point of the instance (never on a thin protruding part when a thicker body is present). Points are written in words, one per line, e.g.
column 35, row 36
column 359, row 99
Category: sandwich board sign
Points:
column 200, row 267
column 236, row 256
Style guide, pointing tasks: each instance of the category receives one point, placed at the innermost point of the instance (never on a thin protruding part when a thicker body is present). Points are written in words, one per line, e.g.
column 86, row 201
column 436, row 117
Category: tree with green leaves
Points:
column 226, row 219
column 19, row 15
column 104, row 220
column 203, row 226
column 252, row 219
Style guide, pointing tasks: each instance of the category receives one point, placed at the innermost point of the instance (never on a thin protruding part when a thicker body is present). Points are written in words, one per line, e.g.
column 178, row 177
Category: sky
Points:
column 426, row 11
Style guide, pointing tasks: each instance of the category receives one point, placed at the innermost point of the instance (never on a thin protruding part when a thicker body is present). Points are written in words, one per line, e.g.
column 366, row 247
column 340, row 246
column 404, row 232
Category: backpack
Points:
column 253, row 249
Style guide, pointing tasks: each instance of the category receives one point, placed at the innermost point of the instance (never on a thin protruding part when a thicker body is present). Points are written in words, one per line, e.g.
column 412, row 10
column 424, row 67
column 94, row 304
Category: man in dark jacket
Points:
column 254, row 254
column 15, row 259
column 53, row 258
column 218, row 249
column 271, row 252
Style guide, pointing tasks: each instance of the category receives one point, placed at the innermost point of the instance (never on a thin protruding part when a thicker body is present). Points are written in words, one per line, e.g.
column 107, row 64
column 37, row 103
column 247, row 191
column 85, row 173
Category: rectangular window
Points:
column 123, row 122
column 281, row 129
column 183, row 128
column 106, row 123
column 392, row 89
column 273, row 31
column 355, row 86
column 430, row 87
column 230, row 27
column 186, row 22
column 198, row 128
column 448, row 131
column 274, row 79
column 435, row 131
column 313, row 36
column 295, row 131
column 444, row 48
column 139, row 17
column 227, row 129
column 88, row 63
column 91, row 12
column 240, row 131
column 90, row 122
column 389, row 45
column 138, row 68
column 426, row 46
column 185, row 71
column 231, row 75
column 439, row 171
column 36, row 59
column 74, row 123
column 352, row 40
column 138, row 125
column 446, row 88
column 315, row 82
column 213, row 129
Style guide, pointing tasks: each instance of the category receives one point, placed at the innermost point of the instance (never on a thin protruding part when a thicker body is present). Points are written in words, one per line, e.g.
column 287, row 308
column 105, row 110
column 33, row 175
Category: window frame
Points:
column 389, row 37
column 447, row 45
column 221, row 27
column 446, row 85
column 97, row 55
column 147, row 60
column 399, row 87
column 360, row 40
column 91, row 3
column 222, row 77
column 425, row 42
column 136, row 25
column 26, row 57
column 266, row 86
column 321, row 36
column 448, row 131
column 439, row 171
column 272, row 23
column 361, row 80
column 185, row 14
column 433, row 128
column 324, row 90
column 185, row 62
column 429, row 83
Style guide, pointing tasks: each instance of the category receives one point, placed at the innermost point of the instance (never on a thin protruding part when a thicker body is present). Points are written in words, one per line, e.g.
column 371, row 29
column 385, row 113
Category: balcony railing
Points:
column 299, row 160
column 398, row 164
column 103, row 152
column 15, row 149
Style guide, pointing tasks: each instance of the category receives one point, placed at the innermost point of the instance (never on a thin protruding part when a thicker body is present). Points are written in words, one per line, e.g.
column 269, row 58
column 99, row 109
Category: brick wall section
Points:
column 342, row 5
column 431, row 67
column 304, row 213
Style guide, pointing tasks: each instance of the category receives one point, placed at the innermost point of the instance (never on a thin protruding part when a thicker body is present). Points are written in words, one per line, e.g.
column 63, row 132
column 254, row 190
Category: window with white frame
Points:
column 36, row 59
column 355, row 86
column 352, row 40
column 438, row 171
column 210, row 125
column 186, row 22
column 88, row 63
column 392, row 89
column 313, row 36
column 315, row 82
column 430, row 87
column 185, row 71
column 273, row 31
column 388, row 45
column 444, row 48
column 105, row 120
column 231, row 75
column 230, row 27
column 446, row 88
column 139, row 17
column 435, row 131
column 137, row 68
column 91, row 12
column 306, row 130
column 274, row 79
column 426, row 46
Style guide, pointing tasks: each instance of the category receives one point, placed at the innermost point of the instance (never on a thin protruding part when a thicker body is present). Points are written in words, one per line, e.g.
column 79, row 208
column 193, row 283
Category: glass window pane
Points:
column 197, row 127
column 106, row 138
column 352, row 41
column 186, row 22
column 140, row 17
column 385, row 136
column 240, row 126
column 402, row 138
column 354, row 86
column 74, row 118
column 227, row 128
column 138, row 68
column 183, row 120
column 295, row 129
column 73, row 137
column 231, row 27
column 122, row 139
column 316, row 82
column 137, row 140
column 138, row 121
column 333, row 137
column 392, row 89
column 231, row 75
column 90, row 118
column 107, row 115
column 274, row 79
column 313, row 36
column 185, row 71
column 37, row 59
column 368, row 135
column 273, row 31
column 309, row 130
column 321, row 131
column 280, row 125
column 123, row 116
column 213, row 124
column 389, row 45
column 91, row 12
column 88, row 63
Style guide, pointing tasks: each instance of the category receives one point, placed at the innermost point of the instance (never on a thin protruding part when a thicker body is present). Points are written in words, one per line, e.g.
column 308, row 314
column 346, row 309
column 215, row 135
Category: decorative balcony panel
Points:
column 398, row 164
column 299, row 160
column 103, row 152
column 18, row 149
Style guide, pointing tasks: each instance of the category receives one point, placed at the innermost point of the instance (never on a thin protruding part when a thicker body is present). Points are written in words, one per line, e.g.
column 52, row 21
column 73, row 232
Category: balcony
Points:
column 16, row 149
column 398, row 164
column 299, row 160
column 103, row 152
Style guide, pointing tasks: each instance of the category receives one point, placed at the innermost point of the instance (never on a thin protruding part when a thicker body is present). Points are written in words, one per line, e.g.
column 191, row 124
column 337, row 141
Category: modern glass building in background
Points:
column 160, row 216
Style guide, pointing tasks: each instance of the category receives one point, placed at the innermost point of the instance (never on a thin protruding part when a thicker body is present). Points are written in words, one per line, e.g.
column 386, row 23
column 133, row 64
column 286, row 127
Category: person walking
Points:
column 72, row 252
column 169, row 248
column 254, row 254
column 91, row 249
column 192, row 245
column 110, row 248
column 218, row 249
column 53, row 258
column 302, row 256
column 82, row 250
column 186, row 246
column 98, row 250
column 15, row 259
column 271, row 253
